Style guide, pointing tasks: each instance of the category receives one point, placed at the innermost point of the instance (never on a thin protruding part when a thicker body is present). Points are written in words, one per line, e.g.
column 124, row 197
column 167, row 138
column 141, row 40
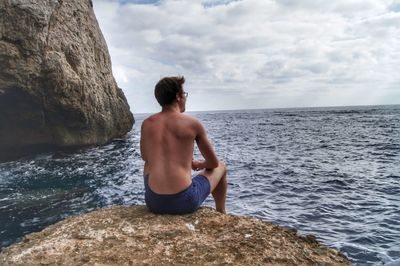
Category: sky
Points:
column 250, row 54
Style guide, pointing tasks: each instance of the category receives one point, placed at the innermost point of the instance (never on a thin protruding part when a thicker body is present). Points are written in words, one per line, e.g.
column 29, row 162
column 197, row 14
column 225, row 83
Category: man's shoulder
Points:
column 185, row 118
column 191, row 119
column 195, row 124
column 188, row 117
column 149, row 121
column 150, row 118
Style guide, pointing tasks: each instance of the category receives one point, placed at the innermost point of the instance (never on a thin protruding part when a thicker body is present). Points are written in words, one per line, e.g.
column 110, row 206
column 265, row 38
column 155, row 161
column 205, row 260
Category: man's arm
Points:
column 206, row 149
column 142, row 152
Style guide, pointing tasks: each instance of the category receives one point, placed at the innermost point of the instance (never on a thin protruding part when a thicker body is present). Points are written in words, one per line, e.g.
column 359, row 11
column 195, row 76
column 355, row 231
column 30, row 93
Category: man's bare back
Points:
column 167, row 145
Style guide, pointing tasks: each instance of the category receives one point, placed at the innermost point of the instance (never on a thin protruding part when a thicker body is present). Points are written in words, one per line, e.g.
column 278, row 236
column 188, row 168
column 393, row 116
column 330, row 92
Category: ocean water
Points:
column 330, row 172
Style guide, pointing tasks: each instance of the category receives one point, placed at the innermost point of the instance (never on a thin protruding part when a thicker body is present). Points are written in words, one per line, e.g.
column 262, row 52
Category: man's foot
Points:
column 221, row 211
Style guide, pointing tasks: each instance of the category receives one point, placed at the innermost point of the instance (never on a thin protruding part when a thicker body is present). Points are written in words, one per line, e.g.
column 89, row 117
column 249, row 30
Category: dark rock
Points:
column 56, row 84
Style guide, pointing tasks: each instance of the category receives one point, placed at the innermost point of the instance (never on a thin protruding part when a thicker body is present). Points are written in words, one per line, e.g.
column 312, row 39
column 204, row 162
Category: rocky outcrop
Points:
column 56, row 85
column 134, row 236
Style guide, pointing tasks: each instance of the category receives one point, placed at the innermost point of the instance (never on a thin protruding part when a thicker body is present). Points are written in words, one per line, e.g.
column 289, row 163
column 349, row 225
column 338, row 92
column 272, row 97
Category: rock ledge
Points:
column 123, row 235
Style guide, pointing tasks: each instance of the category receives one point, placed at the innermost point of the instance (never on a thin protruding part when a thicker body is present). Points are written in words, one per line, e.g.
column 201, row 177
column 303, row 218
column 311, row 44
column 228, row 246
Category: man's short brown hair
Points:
column 167, row 89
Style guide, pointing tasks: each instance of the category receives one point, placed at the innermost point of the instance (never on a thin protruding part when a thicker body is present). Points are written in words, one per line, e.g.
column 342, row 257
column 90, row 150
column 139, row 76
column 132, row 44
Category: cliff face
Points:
column 134, row 236
column 56, row 84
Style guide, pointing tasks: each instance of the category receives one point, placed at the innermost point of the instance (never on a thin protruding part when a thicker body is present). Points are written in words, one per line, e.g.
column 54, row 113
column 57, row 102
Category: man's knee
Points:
column 222, row 164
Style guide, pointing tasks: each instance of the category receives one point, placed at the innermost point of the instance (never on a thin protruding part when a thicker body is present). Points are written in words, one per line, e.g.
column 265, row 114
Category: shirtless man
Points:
column 167, row 145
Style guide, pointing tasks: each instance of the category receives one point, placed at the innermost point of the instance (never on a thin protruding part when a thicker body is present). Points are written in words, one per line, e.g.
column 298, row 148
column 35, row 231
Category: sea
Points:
column 331, row 172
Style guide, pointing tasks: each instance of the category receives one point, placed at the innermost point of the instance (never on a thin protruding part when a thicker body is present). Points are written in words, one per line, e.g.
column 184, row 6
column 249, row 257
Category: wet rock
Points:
column 56, row 84
column 123, row 235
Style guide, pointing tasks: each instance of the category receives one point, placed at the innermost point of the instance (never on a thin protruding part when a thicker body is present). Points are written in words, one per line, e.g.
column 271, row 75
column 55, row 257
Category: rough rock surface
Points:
column 56, row 83
column 133, row 236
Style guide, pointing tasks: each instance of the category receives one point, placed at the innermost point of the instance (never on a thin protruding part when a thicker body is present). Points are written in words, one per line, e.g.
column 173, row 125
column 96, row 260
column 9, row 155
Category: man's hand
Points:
column 197, row 165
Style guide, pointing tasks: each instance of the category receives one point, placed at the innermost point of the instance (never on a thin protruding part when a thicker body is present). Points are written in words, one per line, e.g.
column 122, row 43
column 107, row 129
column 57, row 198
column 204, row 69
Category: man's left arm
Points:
column 142, row 149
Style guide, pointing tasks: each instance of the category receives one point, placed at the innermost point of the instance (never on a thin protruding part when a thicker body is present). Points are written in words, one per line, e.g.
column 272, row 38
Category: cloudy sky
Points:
column 247, row 54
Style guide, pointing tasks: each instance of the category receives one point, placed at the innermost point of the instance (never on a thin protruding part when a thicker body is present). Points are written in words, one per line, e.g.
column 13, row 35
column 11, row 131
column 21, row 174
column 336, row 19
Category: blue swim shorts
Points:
column 186, row 201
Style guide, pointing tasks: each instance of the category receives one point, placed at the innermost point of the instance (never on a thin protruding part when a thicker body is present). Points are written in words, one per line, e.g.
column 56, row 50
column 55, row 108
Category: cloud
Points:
column 255, row 54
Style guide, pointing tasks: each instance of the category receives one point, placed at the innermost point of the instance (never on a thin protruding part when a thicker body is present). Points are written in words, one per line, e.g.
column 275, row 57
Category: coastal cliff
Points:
column 57, row 89
column 132, row 235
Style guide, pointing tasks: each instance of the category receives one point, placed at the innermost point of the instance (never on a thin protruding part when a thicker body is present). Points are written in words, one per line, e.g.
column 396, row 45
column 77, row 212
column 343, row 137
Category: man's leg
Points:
column 218, row 182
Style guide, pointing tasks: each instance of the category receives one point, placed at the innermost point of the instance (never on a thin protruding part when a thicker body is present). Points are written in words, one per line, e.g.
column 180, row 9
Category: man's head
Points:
column 170, row 90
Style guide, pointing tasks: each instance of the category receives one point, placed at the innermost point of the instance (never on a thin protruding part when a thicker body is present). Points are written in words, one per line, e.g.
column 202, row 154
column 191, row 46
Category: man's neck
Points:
column 171, row 108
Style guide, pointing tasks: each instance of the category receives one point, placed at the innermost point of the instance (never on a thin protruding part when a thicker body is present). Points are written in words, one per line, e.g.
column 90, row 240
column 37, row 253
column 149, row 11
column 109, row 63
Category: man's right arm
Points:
column 205, row 147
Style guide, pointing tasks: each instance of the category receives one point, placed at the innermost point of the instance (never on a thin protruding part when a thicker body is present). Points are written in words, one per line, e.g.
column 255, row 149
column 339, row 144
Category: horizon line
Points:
column 275, row 108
